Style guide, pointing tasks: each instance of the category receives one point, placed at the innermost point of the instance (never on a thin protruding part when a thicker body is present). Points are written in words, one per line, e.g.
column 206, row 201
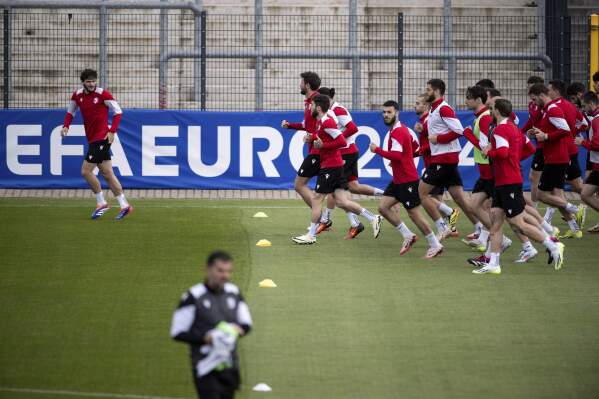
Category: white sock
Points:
column 547, row 227
column 313, row 227
column 549, row 244
column 441, row 225
column 378, row 192
column 483, row 237
column 527, row 246
column 571, row 208
column 478, row 226
column 433, row 241
column 404, row 230
column 573, row 225
column 549, row 214
column 100, row 200
column 445, row 209
column 122, row 201
column 326, row 215
column 353, row 219
column 494, row 259
column 367, row 214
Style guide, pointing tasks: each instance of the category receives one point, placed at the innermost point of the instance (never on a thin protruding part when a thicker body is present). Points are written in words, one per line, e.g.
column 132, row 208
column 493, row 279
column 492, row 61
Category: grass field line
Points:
column 158, row 206
column 83, row 394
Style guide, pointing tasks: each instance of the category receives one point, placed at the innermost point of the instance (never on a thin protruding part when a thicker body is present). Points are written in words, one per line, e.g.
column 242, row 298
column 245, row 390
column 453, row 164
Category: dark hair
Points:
column 218, row 256
column 574, row 88
column 493, row 93
column 537, row 89
column 477, row 91
column 504, row 107
column 327, row 92
column 487, row 83
column 533, row 80
column 391, row 103
column 596, row 77
column 312, row 79
column 437, row 84
column 322, row 101
column 590, row 97
column 88, row 74
column 560, row 86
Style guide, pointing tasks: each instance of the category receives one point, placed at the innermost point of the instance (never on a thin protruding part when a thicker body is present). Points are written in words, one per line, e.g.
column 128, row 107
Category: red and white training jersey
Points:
column 400, row 151
column 443, row 123
column 425, row 148
column 308, row 124
column 574, row 119
column 535, row 113
column 506, row 151
column 592, row 144
column 332, row 141
column 94, row 108
column 347, row 126
column 553, row 123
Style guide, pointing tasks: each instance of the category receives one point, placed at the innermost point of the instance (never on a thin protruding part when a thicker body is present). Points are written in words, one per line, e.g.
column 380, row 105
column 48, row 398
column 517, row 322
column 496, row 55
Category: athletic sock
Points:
column 313, row 227
column 571, row 208
column 483, row 237
column 441, row 225
column 433, row 241
column 478, row 226
column 549, row 244
column 445, row 209
column 549, row 214
column 353, row 219
column 100, row 200
column 573, row 225
column 367, row 214
column 547, row 227
column 527, row 246
column 326, row 215
column 122, row 201
column 494, row 259
column 404, row 230
column 378, row 192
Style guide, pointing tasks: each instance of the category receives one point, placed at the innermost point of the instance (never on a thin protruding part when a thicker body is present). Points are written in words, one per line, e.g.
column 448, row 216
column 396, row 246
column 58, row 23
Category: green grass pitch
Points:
column 86, row 307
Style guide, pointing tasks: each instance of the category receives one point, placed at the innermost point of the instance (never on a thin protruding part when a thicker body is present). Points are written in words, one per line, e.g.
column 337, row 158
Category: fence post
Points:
column 163, row 43
column 197, row 29
column 203, row 62
column 400, row 60
column 594, row 48
column 7, row 57
column 103, row 43
column 259, row 65
column 448, row 48
column 356, row 72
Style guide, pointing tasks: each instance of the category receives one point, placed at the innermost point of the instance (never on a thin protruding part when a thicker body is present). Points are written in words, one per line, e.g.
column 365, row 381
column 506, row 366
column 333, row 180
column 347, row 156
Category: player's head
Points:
column 539, row 93
column 310, row 82
column 557, row 88
column 422, row 105
column 486, row 83
column 595, row 79
column 501, row 109
column 320, row 105
column 491, row 94
column 89, row 78
column 476, row 97
column 590, row 102
column 390, row 112
column 575, row 91
column 329, row 92
column 435, row 89
column 533, row 80
column 219, row 267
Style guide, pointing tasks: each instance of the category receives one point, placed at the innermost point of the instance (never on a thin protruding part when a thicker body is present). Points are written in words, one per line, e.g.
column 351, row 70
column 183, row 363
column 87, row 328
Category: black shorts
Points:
column 437, row 190
column 573, row 170
column 442, row 174
column 98, row 151
column 553, row 176
column 486, row 186
column 217, row 384
column 406, row 193
column 350, row 166
column 589, row 165
column 310, row 166
column 593, row 178
column 509, row 198
column 330, row 179
column 538, row 162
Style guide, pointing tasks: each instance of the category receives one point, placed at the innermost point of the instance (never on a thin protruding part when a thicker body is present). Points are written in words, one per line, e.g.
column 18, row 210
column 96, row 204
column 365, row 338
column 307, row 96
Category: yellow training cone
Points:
column 268, row 283
column 260, row 215
column 263, row 243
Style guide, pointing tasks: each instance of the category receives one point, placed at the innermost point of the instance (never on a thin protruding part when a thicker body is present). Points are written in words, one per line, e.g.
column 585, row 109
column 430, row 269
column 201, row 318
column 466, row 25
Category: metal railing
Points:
column 173, row 55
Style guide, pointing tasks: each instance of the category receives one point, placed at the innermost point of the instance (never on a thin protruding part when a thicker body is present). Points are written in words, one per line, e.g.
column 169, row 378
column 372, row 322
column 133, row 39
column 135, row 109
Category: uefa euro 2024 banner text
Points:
column 190, row 149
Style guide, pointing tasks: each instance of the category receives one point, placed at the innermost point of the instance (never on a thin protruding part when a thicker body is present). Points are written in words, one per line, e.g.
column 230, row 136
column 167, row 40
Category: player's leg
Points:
column 431, row 178
column 315, row 209
column 355, row 187
column 491, row 264
column 536, row 169
column 386, row 204
column 326, row 220
column 301, row 187
column 116, row 188
column 87, row 171
column 588, row 195
column 479, row 204
column 345, row 202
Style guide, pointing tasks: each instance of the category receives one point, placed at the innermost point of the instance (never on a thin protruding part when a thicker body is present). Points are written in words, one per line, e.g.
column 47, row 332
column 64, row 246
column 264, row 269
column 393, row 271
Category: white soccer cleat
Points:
column 488, row 270
column 305, row 239
column 526, row 255
column 431, row 252
column 376, row 225
column 505, row 244
column 443, row 234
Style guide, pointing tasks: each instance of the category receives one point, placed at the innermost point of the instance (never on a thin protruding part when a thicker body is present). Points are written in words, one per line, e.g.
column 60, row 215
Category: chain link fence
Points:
column 246, row 63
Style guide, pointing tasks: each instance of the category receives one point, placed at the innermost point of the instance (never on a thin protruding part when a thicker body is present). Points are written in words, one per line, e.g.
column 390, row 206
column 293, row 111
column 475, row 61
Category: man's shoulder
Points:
column 198, row 290
column 231, row 288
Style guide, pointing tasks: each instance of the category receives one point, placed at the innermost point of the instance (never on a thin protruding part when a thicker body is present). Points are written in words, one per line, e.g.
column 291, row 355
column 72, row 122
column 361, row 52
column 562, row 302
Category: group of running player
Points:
column 559, row 117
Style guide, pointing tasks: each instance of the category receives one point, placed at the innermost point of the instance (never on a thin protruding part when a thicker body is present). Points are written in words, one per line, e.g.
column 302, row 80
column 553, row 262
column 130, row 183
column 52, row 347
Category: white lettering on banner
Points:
column 58, row 149
column 14, row 149
column 149, row 150
column 296, row 149
column 194, row 152
column 367, row 155
column 247, row 134
column 465, row 160
column 119, row 159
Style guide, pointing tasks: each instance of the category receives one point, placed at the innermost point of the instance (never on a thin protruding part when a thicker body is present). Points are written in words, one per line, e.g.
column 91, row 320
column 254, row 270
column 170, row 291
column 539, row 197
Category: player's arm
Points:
column 72, row 108
column 528, row 148
column 582, row 125
column 533, row 117
column 244, row 318
column 293, row 125
column 183, row 327
column 117, row 114
column 501, row 149
column 557, row 119
column 472, row 138
column 346, row 121
column 593, row 144
column 453, row 123
column 394, row 154
column 338, row 138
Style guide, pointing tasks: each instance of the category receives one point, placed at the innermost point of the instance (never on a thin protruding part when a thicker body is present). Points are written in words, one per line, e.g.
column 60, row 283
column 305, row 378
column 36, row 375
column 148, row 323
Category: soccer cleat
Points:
column 555, row 232
column 453, row 220
column 594, row 229
column 305, row 239
column 471, row 242
column 354, row 231
column 558, row 257
column 526, row 255
column 324, row 226
column 581, row 215
column 472, row 236
column 376, row 225
column 124, row 212
column 479, row 261
column 431, row 252
column 488, row 270
column 505, row 244
column 407, row 244
column 571, row 234
column 99, row 211
column 442, row 235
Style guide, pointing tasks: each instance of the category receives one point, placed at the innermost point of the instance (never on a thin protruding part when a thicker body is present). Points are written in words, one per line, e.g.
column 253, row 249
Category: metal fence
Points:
column 179, row 58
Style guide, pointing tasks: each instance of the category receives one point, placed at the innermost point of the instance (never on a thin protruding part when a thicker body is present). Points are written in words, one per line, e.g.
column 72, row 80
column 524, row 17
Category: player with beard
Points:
column 590, row 103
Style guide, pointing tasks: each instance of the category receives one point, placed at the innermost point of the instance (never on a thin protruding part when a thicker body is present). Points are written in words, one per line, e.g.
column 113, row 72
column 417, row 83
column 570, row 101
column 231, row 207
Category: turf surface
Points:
column 86, row 306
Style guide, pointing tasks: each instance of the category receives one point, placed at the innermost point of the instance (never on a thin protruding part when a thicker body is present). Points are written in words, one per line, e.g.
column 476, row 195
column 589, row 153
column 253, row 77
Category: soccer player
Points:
column 422, row 108
column 508, row 200
column 575, row 92
column 595, row 79
column 553, row 131
column 444, row 129
column 590, row 103
column 404, row 186
column 211, row 317
column 486, row 83
column 94, row 103
column 537, row 164
column 328, row 139
column 309, row 84
column 350, row 155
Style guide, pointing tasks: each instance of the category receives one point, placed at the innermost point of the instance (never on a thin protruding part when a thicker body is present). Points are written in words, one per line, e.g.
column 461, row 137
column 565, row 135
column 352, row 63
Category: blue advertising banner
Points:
column 189, row 149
